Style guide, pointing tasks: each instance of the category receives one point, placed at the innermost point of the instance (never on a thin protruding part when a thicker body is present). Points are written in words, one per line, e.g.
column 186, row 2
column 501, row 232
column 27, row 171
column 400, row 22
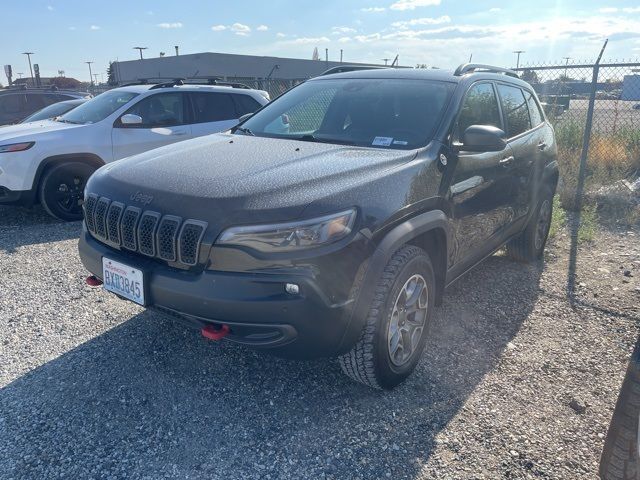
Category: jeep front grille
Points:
column 147, row 232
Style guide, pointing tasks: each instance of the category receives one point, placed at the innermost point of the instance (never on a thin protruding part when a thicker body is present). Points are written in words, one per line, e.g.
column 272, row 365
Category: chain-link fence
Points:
column 614, row 150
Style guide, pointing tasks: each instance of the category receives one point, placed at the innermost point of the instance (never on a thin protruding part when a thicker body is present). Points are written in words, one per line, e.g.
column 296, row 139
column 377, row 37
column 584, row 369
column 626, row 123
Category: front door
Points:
column 480, row 189
column 164, row 121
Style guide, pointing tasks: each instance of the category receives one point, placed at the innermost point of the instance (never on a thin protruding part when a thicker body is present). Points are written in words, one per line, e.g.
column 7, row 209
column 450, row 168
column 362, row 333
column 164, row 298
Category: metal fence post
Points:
column 575, row 227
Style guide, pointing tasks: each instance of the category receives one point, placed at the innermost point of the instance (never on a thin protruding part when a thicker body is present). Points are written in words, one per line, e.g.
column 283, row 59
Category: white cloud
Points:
column 422, row 21
column 495, row 10
column 218, row 28
column 608, row 10
column 373, row 9
column 170, row 25
column 94, row 27
column 307, row 40
column 50, row 8
column 240, row 29
column 631, row 10
column 262, row 28
column 281, row 35
column 413, row 4
column 342, row 30
column 344, row 39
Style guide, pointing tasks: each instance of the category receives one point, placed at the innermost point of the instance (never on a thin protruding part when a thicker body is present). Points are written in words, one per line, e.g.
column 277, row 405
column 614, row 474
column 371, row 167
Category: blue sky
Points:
column 66, row 33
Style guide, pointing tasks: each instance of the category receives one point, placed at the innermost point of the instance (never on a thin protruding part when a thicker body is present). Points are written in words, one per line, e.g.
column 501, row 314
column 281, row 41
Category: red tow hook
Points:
column 212, row 332
column 93, row 281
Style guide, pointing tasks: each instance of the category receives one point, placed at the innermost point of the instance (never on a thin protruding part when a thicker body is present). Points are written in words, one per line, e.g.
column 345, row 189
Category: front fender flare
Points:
column 400, row 235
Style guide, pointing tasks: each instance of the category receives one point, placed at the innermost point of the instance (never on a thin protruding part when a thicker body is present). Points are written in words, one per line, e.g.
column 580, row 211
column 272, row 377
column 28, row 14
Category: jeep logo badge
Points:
column 141, row 198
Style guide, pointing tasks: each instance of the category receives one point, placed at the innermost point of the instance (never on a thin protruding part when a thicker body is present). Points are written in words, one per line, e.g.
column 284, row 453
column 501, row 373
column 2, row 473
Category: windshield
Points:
column 51, row 111
column 98, row 108
column 382, row 113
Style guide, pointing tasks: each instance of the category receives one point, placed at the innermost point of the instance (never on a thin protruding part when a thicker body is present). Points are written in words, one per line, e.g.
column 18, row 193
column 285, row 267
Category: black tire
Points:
column 370, row 361
column 620, row 459
column 529, row 245
column 62, row 188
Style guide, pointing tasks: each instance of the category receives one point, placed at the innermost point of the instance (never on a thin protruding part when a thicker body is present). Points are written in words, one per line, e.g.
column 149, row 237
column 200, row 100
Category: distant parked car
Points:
column 50, row 161
column 16, row 103
column 54, row 110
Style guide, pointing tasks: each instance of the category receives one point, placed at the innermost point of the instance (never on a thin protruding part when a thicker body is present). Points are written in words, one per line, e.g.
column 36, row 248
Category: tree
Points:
column 530, row 76
column 111, row 74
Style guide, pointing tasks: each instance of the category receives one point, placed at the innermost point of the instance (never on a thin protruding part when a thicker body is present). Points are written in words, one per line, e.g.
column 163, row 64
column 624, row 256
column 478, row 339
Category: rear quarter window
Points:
column 515, row 110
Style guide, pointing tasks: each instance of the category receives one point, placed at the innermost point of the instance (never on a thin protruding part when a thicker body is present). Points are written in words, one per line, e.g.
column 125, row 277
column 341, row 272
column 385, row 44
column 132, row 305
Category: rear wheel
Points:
column 62, row 189
column 394, row 335
column 529, row 245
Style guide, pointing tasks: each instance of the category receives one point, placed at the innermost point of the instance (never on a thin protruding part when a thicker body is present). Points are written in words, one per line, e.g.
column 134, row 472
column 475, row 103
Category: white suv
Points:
column 50, row 161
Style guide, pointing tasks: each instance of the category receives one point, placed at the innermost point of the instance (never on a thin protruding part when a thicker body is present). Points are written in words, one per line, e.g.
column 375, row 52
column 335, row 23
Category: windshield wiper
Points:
column 62, row 120
column 245, row 130
column 312, row 138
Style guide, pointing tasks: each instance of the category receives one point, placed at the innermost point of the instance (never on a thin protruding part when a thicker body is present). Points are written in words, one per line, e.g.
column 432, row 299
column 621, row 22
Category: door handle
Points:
column 542, row 145
column 506, row 162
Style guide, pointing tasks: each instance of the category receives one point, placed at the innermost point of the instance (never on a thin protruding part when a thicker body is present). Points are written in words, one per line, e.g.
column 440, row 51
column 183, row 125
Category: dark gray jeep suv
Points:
column 330, row 222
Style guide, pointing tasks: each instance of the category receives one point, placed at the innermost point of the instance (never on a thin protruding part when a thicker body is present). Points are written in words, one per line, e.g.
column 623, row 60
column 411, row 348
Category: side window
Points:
column 480, row 107
column 514, row 108
column 213, row 107
column 160, row 110
column 534, row 109
column 245, row 104
column 36, row 102
column 12, row 103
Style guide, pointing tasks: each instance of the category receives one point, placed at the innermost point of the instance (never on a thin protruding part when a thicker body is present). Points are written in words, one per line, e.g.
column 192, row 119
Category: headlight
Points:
column 282, row 237
column 16, row 147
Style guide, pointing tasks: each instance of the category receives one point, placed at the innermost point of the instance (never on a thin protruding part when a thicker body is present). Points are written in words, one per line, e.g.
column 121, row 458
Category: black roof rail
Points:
column 350, row 68
column 472, row 67
column 158, row 83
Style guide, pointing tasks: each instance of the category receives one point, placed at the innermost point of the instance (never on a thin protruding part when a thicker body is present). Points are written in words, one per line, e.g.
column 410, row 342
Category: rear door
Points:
column 212, row 112
column 523, row 141
column 164, row 121
column 480, row 188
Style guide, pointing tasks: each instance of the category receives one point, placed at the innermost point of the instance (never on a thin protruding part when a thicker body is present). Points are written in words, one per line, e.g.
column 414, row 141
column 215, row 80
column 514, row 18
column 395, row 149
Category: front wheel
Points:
column 394, row 334
column 62, row 189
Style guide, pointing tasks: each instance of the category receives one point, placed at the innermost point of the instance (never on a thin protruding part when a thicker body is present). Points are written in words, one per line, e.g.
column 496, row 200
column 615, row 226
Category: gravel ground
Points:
column 515, row 383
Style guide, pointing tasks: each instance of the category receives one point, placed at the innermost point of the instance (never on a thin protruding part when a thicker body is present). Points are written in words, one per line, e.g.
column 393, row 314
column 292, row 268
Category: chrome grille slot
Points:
column 167, row 236
column 100, row 217
column 189, row 241
column 89, row 211
column 128, row 227
column 113, row 222
column 146, row 233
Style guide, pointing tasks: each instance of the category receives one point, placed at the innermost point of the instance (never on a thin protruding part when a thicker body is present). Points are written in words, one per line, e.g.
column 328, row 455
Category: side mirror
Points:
column 483, row 138
column 131, row 119
column 244, row 117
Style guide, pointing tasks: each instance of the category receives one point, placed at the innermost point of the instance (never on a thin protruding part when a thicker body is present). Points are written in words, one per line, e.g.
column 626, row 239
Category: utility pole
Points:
column 177, row 50
column 340, row 55
column 326, row 57
column 28, row 54
column 140, row 49
column 90, row 73
column 95, row 75
column 518, row 52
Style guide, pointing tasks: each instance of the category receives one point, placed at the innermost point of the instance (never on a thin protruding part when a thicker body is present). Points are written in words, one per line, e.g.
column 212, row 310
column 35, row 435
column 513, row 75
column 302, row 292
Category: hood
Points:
column 241, row 177
column 32, row 129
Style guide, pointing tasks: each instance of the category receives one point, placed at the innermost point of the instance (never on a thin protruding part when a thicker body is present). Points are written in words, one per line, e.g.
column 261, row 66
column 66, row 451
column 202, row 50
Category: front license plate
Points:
column 123, row 280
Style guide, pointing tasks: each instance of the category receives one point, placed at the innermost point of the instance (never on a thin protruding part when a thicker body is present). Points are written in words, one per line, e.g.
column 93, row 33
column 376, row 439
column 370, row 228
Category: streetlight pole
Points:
column 90, row 72
column 140, row 49
column 518, row 52
column 565, row 65
column 28, row 54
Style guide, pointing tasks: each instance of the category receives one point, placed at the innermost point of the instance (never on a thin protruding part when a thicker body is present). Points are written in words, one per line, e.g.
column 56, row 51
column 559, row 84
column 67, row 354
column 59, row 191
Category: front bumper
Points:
column 255, row 306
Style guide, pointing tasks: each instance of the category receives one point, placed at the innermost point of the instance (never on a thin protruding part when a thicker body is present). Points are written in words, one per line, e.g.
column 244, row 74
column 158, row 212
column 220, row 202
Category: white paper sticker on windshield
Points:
column 400, row 142
column 382, row 141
